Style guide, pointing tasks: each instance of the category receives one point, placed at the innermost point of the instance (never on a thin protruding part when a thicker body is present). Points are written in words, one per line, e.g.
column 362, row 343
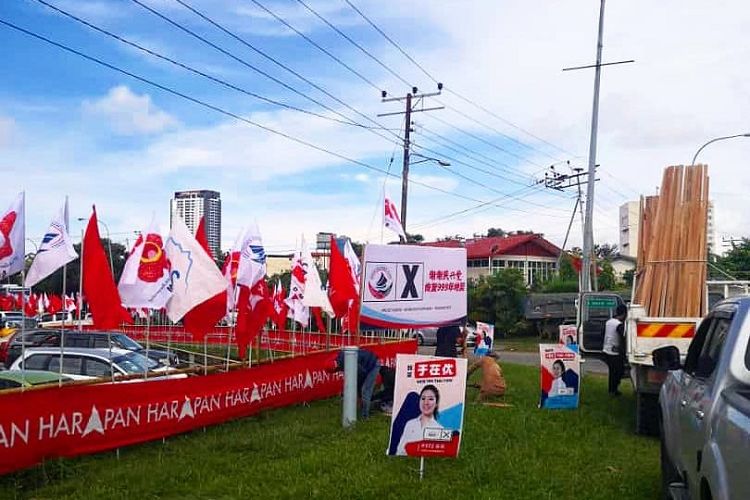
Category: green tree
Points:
column 495, row 232
column 606, row 278
column 628, row 277
column 53, row 283
column 414, row 238
column 605, row 251
column 737, row 260
column 498, row 299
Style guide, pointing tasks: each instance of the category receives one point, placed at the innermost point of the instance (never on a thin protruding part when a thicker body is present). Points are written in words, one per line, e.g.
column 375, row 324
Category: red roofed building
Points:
column 531, row 253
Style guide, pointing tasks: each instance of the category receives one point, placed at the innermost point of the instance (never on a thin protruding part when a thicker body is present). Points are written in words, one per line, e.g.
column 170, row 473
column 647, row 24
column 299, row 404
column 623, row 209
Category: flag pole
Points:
column 148, row 343
column 80, row 287
column 62, row 331
column 23, row 329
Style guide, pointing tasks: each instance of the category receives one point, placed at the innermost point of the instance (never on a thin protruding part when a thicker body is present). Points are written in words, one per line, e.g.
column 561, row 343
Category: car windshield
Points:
column 133, row 362
column 128, row 343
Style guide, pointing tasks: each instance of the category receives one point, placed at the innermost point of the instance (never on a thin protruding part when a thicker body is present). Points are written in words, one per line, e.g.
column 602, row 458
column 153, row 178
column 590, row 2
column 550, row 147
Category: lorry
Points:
column 705, row 408
column 643, row 336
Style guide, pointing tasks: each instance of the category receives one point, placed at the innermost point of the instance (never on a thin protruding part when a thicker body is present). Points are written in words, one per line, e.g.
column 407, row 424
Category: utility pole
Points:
column 560, row 182
column 412, row 100
column 589, row 261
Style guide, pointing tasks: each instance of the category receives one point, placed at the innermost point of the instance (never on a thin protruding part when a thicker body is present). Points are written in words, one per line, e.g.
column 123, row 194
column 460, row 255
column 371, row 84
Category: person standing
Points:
column 447, row 338
column 368, row 368
column 614, row 348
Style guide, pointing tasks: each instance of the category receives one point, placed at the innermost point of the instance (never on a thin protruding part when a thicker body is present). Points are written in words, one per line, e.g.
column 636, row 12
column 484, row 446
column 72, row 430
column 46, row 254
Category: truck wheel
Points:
column 646, row 414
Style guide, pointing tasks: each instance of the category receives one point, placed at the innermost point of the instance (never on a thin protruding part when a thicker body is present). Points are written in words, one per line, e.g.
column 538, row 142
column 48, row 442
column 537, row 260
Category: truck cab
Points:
column 595, row 309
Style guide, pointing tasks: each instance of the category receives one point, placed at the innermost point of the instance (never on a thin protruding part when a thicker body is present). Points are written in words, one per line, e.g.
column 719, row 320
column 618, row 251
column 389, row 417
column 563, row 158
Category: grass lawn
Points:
column 302, row 452
column 521, row 344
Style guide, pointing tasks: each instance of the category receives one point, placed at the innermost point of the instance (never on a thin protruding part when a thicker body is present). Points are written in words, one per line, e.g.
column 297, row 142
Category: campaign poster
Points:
column 568, row 336
column 409, row 286
column 428, row 406
column 484, row 337
column 560, row 376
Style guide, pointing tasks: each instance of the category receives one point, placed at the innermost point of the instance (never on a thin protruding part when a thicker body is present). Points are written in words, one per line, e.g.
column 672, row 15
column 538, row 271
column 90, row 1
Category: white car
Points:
column 89, row 364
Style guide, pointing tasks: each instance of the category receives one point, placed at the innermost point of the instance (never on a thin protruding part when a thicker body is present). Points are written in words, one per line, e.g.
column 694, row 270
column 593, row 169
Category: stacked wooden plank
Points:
column 673, row 246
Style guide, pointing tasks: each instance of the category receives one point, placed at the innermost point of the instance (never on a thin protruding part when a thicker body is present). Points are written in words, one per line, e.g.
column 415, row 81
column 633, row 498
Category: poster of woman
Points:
column 485, row 334
column 428, row 406
column 560, row 376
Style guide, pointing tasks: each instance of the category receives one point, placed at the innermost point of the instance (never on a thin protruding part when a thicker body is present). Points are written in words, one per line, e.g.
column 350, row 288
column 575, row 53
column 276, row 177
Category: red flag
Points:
column 318, row 319
column 342, row 291
column 254, row 307
column 30, row 308
column 202, row 237
column 6, row 302
column 203, row 318
column 55, row 304
column 280, row 307
column 98, row 282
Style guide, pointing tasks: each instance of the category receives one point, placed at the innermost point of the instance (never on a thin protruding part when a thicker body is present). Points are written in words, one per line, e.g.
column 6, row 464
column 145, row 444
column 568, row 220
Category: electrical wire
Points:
column 222, row 111
column 353, row 42
column 316, row 45
column 193, row 70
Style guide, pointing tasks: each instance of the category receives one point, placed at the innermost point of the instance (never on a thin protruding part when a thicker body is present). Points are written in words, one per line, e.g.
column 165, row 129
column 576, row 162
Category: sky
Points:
column 302, row 150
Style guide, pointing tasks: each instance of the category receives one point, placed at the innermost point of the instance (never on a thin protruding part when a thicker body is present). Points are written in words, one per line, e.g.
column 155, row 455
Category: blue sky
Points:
column 68, row 126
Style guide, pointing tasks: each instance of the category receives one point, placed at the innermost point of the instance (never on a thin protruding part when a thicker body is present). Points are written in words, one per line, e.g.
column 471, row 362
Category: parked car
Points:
column 11, row 348
column 56, row 320
column 705, row 408
column 87, row 364
column 425, row 336
column 89, row 339
column 16, row 379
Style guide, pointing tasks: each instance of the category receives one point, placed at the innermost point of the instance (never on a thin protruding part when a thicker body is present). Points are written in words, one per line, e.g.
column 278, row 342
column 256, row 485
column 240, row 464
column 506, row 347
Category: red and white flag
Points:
column 229, row 270
column 12, row 238
column 314, row 295
column 391, row 219
column 195, row 277
column 146, row 278
column 279, row 306
column 254, row 304
column 297, row 310
column 70, row 304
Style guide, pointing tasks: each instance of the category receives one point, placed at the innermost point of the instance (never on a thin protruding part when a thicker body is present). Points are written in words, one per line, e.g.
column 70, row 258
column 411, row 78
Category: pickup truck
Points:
column 704, row 405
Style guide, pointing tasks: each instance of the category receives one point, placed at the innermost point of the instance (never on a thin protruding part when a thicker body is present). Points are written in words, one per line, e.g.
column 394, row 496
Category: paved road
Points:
column 532, row 359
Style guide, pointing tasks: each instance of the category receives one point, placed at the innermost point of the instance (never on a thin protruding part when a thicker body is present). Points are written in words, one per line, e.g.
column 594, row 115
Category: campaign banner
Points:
column 428, row 406
column 483, row 339
column 408, row 286
column 568, row 336
column 560, row 376
column 80, row 419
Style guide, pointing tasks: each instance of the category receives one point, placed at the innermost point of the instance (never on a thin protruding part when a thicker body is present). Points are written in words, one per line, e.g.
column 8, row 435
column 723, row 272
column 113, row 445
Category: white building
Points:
column 630, row 216
column 191, row 206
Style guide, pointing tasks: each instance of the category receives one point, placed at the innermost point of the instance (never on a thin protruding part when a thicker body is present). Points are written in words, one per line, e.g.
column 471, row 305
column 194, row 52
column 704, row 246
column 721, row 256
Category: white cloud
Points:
column 129, row 113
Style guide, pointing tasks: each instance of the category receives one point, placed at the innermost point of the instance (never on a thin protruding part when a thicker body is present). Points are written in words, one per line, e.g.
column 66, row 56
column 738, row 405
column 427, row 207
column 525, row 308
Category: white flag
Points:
column 145, row 280
column 194, row 277
column 391, row 220
column 55, row 251
column 314, row 296
column 12, row 238
column 252, row 266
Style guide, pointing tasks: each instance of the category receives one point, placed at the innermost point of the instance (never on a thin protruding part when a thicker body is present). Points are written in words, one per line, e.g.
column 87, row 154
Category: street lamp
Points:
column 716, row 140
column 440, row 162
column 109, row 242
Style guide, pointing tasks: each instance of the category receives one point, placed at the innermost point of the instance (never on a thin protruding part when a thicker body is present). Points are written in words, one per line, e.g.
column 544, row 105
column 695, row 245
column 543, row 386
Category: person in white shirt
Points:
column 429, row 400
column 558, row 384
column 614, row 348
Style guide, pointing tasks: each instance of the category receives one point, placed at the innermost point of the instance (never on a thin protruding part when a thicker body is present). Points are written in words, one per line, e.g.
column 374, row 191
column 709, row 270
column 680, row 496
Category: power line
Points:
column 195, row 71
column 238, row 59
column 353, row 42
column 391, row 41
column 272, row 59
column 219, row 110
column 413, row 61
column 316, row 45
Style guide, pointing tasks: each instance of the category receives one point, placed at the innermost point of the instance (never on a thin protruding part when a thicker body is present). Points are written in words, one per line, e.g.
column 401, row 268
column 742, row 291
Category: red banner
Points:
column 75, row 420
